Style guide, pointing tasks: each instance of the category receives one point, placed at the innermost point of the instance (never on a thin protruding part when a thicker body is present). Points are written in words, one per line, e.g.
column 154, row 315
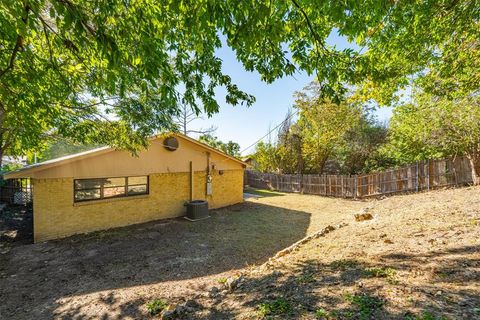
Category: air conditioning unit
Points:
column 197, row 210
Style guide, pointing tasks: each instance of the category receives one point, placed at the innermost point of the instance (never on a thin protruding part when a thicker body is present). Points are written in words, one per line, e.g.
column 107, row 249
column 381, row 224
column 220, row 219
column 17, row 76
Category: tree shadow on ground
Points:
column 34, row 277
column 16, row 226
column 350, row 289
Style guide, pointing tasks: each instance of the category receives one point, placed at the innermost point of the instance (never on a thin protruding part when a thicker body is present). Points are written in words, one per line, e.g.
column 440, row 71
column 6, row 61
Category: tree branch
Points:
column 18, row 45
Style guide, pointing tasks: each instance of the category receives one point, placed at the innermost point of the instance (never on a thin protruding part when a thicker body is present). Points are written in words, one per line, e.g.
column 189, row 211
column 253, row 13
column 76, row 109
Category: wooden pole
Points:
column 191, row 181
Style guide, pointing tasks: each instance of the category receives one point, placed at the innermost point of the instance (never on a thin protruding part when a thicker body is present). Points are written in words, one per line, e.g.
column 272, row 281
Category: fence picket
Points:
column 420, row 176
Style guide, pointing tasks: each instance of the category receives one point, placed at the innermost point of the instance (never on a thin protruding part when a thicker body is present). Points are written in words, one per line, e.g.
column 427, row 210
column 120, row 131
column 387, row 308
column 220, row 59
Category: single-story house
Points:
column 106, row 188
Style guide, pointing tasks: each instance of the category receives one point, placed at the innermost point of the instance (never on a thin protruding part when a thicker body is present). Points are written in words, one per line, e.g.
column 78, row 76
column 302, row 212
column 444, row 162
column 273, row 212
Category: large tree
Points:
column 110, row 72
column 436, row 127
column 322, row 125
column 230, row 147
column 358, row 150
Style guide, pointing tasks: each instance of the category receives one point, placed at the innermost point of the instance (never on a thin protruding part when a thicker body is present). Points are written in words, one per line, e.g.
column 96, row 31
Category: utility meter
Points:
column 209, row 185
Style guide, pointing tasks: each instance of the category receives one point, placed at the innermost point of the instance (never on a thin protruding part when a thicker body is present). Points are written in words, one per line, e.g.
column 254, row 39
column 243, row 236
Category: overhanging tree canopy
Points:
column 109, row 72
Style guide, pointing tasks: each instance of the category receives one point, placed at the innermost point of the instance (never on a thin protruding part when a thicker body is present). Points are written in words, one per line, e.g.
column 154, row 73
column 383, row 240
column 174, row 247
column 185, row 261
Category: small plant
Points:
column 367, row 305
column 426, row 315
column 276, row 307
column 323, row 314
column 305, row 278
column 441, row 274
column 387, row 273
column 344, row 264
column 156, row 306
column 222, row 280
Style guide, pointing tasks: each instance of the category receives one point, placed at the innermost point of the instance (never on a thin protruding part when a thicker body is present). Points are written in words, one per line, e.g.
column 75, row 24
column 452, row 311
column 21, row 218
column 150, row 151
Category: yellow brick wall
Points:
column 56, row 216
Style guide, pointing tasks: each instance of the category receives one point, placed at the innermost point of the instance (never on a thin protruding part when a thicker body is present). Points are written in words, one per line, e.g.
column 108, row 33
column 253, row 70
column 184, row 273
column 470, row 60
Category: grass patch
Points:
column 156, row 306
column 305, row 278
column 277, row 307
column 366, row 305
column 263, row 192
column 222, row 280
column 344, row 264
column 426, row 315
column 322, row 314
column 388, row 273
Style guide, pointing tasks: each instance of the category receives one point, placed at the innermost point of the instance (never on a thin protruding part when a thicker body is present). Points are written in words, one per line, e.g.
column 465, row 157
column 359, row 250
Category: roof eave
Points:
column 27, row 172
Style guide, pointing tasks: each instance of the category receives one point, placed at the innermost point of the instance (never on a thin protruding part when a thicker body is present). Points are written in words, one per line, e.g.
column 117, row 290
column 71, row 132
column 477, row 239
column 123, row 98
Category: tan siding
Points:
column 55, row 214
column 154, row 160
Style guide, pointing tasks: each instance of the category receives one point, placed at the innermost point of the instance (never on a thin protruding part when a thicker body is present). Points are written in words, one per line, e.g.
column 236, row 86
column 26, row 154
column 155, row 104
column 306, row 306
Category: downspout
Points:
column 208, row 185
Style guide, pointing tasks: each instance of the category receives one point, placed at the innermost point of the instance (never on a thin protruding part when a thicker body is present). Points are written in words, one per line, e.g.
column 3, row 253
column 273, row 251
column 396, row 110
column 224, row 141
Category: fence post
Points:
column 416, row 182
column 355, row 184
column 428, row 175
column 455, row 172
column 301, row 183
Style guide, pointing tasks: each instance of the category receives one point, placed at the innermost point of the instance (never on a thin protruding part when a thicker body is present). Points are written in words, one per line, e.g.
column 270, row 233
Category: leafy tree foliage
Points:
column 230, row 147
column 59, row 148
column 110, row 72
column 359, row 152
column 289, row 146
column 344, row 134
column 266, row 157
column 436, row 127
column 323, row 125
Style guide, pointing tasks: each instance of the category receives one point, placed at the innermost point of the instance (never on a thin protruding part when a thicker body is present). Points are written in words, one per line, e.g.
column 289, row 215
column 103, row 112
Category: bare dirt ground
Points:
column 114, row 273
column 16, row 227
column 418, row 258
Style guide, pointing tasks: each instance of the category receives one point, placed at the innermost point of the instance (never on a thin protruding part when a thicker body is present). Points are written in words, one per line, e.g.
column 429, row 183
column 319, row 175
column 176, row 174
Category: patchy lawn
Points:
column 115, row 273
column 418, row 258
column 263, row 192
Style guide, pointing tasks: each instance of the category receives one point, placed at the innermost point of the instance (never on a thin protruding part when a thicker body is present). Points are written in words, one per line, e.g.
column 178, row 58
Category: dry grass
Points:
column 417, row 259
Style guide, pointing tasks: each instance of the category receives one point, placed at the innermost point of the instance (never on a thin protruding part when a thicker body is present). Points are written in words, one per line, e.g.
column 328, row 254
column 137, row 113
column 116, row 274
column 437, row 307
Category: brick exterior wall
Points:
column 57, row 216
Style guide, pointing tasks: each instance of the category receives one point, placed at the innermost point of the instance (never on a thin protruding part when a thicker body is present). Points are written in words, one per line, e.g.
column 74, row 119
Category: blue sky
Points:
column 244, row 124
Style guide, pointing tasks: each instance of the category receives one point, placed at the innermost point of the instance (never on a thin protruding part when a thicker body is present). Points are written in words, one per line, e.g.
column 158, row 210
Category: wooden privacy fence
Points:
column 424, row 175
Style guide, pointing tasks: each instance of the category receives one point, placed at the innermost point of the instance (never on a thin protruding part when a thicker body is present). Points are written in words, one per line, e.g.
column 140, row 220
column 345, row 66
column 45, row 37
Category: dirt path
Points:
column 112, row 274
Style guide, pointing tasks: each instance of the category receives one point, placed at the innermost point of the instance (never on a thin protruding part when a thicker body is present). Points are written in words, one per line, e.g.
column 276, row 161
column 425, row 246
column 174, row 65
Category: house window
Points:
column 106, row 188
